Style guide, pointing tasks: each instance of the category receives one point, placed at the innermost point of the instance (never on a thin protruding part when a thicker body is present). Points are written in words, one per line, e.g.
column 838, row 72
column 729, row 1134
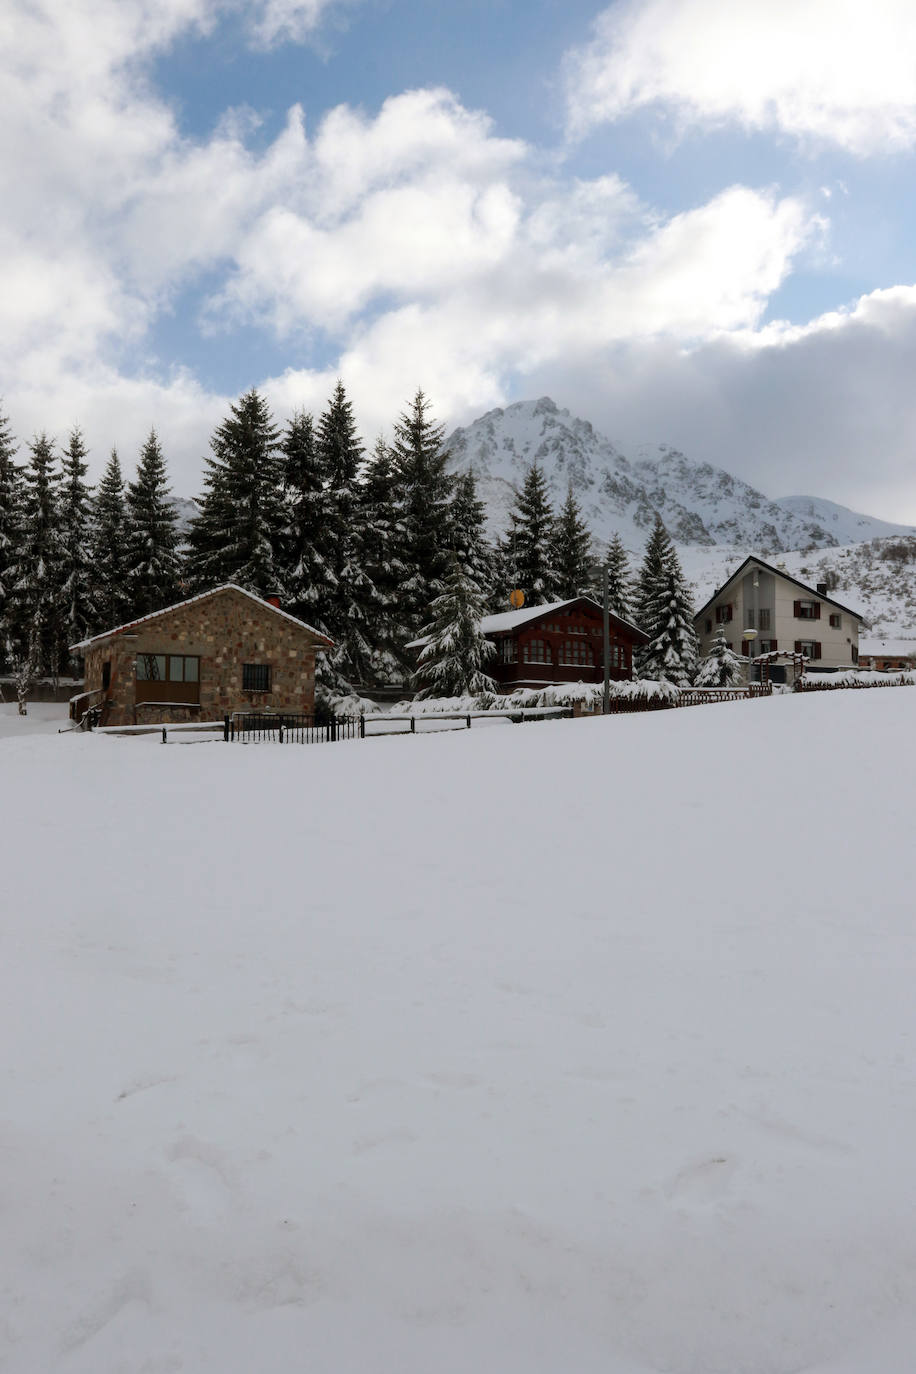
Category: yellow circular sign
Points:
column 517, row 599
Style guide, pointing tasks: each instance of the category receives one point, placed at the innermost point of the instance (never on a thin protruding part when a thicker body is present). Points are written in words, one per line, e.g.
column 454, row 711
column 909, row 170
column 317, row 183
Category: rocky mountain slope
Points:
column 699, row 503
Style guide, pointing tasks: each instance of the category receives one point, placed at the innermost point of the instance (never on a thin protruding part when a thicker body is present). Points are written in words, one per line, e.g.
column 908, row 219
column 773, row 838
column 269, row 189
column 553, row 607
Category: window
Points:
column 763, row 620
column 151, row 668
column 167, row 668
column 749, row 618
column 508, row 651
column 709, row 627
column 809, row 647
column 723, row 615
column 576, row 652
column 536, row 651
column 767, row 646
column 255, row 677
column 836, row 622
column 807, row 610
column 106, row 675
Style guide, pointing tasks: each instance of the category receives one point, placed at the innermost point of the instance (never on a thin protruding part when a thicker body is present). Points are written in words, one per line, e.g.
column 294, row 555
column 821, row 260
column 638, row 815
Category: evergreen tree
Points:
column 618, row 571
column 40, row 614
column 305, row 555
column 570, row 546
column 468, row 540
column 451, row 661
column 426, row 492
column 528, row 546
column 153, row 563
column 108, row 535
column 11, row 496
column 236, row 537
column 665, row 614
column 348, row 610
column 380, row 524
column 721, row 667
column 74, row 533
column 649, row 580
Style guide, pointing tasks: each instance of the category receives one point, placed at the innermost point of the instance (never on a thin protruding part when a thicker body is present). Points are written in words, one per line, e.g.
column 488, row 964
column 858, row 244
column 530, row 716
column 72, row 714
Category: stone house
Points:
column 786, row 617
column 226, row 650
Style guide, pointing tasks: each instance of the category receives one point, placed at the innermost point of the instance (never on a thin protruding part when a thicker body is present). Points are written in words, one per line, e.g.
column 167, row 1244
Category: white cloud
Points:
column 296, row 21
column 832, row 70
column 420, row 248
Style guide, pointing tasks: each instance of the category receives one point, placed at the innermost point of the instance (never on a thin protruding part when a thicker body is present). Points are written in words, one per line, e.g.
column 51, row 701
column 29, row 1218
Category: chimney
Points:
column 273, row 598
column 822, row 588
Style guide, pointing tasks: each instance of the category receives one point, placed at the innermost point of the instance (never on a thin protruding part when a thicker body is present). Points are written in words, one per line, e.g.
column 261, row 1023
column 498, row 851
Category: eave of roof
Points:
column 778, row 572
column 202, row 596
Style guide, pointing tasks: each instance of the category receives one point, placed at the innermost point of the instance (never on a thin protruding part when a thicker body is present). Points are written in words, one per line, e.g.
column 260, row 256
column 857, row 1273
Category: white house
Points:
column 785, row 615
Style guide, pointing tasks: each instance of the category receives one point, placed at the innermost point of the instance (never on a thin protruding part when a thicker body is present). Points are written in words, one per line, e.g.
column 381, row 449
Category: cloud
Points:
column 296, row 21
column 408, row 246
column 815, row 69
column 827, row 409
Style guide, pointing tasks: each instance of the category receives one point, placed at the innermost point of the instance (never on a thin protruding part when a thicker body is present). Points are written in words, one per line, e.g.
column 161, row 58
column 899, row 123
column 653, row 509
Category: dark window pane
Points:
column 255, row 677
column 176, row 668
column 190, row 669
column 151, row 667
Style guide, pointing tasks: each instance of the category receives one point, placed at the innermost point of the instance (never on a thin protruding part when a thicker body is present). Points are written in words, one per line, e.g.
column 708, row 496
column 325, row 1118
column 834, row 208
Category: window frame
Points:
column 255, row 670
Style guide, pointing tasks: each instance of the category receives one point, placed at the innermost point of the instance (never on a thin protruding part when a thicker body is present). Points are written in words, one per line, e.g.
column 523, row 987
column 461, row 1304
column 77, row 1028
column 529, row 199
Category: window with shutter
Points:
column 817, row 649
column 817, row 610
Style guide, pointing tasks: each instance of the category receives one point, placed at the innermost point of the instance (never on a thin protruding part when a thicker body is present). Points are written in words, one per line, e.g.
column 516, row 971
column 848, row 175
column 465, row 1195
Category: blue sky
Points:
column 690, row 223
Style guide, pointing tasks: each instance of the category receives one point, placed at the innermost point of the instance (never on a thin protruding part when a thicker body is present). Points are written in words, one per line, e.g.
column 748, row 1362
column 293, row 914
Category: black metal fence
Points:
column 292, row 729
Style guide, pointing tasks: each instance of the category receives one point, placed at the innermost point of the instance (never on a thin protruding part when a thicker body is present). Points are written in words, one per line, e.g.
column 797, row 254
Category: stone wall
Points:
column 225, row 630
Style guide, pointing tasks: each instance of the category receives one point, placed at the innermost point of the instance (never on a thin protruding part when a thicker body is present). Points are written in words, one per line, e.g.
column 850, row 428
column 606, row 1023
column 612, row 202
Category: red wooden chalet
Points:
column 559, row 642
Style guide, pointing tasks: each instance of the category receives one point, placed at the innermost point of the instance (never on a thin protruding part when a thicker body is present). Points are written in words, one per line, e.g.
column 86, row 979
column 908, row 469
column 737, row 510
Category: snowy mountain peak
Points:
column 699, row 503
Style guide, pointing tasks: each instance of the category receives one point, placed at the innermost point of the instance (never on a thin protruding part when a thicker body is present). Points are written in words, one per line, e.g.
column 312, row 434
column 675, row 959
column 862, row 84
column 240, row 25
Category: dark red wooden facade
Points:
column 564, row 644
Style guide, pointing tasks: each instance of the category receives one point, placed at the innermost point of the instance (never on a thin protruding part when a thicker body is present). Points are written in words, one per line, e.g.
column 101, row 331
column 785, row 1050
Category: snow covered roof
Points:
column 511, row 620
column 777, row 572
column 201, row 596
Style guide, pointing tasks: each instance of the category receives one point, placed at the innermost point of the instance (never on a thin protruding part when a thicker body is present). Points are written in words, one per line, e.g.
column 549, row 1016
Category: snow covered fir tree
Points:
column 452, row 659
column 527, row 551
column 153, row 561
column 664, row 612
column 10, row 539
column 571, row 551
column 721, row 667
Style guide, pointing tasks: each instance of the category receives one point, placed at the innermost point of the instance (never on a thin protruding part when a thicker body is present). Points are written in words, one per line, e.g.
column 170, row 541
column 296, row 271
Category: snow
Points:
column 562, row 1046
column 42, row 718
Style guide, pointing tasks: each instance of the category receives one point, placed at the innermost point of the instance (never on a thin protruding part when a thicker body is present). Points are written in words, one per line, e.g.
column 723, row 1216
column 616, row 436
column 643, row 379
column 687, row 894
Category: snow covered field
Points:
column 580, row 1046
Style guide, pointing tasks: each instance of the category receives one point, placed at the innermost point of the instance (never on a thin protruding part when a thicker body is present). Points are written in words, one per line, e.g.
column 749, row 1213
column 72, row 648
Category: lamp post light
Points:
column 749, row 636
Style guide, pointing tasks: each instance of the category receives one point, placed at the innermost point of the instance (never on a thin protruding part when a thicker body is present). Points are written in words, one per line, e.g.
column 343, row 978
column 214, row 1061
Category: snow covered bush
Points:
column 721, row 667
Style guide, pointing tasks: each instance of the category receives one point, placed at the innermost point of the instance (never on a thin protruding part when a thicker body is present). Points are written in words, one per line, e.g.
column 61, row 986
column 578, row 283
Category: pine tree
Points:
column 304, row 553
column 74, row 532
column 659, row 550
column 108, row 552
column 11, row 497
column 153, row 563
column 349, row 606
column 666, row 615
column 528, row 546
column 451, row 661
column 618, row 576
column 380, row 523
column 426, row 486
column 40, row 613
column 721, row 667
column 570, row 551
column 468, row 540
column 236, row 537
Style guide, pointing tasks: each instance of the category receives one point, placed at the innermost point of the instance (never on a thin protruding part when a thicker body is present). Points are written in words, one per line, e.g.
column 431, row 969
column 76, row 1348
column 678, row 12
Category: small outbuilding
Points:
column 224, row 651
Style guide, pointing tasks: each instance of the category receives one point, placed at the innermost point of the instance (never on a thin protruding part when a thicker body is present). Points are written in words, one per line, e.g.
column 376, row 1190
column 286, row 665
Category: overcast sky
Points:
column 690, row 221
